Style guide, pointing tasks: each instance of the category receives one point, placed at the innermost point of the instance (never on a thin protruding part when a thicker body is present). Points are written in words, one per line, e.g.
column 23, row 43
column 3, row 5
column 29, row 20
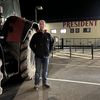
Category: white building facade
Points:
column 84, row 32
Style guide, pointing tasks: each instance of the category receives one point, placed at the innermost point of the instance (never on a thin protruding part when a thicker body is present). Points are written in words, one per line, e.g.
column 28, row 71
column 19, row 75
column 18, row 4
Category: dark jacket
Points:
column 41, row 44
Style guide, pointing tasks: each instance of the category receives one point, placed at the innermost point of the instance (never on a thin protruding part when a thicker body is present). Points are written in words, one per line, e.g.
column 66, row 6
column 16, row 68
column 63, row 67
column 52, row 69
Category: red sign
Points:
column 80, row 23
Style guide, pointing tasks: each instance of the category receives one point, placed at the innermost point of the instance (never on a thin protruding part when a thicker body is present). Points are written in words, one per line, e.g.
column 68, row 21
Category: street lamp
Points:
column 37, row 8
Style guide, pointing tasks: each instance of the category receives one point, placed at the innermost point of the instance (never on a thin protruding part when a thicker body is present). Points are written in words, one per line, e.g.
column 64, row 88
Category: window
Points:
column 71, row 30
column 85, row 30
column 63, row 31
column 53, row 31
column 77, row 30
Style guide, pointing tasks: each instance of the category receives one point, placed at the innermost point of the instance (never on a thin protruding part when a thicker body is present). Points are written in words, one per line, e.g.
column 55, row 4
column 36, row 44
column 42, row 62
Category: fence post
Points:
column 83, row 48
column 92, row 50
column 70, row 51
column 62, row 43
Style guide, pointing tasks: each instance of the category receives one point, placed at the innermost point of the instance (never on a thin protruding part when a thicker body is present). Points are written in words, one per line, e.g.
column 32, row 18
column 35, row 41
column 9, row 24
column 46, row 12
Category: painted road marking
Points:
column 72, row 81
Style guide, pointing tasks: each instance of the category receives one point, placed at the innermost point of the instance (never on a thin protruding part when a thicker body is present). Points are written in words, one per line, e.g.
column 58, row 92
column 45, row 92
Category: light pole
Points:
column 37, row 8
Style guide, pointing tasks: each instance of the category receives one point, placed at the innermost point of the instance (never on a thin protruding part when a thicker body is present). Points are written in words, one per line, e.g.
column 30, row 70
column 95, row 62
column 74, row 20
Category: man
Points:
column 41, row 44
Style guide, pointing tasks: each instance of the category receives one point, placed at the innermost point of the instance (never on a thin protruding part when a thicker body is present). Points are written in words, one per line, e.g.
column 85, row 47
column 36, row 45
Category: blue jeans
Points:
column 41, row 64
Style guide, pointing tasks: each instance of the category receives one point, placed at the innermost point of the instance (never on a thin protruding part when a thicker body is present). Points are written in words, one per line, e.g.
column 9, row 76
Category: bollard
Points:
column 75, row 48
column 83, row 48
column 62, row 43
column 1, row 76
column 70, row 51
column 92, row 50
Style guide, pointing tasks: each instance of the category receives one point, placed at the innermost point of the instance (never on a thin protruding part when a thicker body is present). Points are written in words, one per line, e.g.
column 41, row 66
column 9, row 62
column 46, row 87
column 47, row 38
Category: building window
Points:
column 77, row 30
column 63, row 31
column 53, row 31
column 71, row 30
column 86, row 30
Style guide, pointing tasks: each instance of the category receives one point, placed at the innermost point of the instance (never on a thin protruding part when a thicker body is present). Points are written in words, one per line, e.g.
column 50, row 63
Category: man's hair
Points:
column 42, row 21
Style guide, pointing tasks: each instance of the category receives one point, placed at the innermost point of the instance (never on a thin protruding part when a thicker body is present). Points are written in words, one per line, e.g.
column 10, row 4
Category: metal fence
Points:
column 66, row 42
column 91, row 44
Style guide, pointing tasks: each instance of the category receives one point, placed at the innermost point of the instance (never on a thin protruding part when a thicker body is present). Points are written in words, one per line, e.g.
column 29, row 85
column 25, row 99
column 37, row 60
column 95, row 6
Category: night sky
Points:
column 61, row 10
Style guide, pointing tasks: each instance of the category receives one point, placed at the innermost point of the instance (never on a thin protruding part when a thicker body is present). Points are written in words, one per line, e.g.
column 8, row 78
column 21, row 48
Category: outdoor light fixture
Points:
column 63, row 31
column 37, row 8
column 53, row 31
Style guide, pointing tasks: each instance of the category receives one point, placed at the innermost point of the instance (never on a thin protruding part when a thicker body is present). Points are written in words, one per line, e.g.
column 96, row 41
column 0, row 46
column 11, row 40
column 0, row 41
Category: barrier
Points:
column 71, row 47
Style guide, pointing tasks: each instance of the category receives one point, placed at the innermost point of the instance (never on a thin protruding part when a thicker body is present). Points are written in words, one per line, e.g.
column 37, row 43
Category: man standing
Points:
column 41, row 44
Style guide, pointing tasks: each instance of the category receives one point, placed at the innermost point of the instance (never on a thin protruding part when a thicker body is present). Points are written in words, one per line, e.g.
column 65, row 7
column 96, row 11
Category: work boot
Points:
column 46, row 85
column 36, row 87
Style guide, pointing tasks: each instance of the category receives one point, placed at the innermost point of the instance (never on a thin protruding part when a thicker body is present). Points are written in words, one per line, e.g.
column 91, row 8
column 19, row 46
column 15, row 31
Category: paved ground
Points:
column 77, row 78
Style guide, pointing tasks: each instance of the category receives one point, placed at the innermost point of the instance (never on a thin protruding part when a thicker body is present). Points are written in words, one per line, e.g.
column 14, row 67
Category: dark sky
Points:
column 61, row 10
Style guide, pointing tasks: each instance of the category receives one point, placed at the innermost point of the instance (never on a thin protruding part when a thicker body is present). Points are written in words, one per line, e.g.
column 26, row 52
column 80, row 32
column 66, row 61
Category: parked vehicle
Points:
column 14, row 49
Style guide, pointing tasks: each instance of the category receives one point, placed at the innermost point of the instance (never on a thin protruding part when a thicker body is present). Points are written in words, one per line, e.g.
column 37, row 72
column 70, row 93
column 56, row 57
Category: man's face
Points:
column 42, row 24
